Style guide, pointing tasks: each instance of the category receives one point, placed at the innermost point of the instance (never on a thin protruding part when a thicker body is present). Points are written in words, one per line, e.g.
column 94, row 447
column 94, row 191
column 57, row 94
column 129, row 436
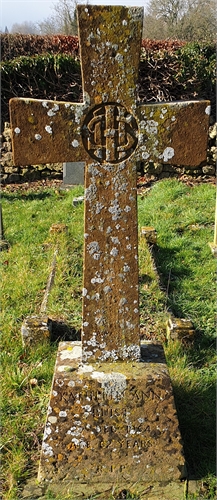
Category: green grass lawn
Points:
column 184, row 285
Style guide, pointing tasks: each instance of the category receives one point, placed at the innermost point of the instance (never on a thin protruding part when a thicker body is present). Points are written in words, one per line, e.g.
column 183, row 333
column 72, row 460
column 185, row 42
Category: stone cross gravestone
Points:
column 111, row 418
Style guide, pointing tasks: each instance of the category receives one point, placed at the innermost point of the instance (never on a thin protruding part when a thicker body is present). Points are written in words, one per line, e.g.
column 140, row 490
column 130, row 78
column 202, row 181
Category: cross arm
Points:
column 46, row 131
column 175, row 132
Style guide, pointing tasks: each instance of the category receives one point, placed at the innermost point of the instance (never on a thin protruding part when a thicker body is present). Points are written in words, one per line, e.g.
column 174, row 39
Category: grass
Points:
column 184, row 284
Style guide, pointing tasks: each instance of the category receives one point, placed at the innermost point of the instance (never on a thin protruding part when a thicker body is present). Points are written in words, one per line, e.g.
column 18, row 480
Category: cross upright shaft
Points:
column 110, row 132
column 110, row 62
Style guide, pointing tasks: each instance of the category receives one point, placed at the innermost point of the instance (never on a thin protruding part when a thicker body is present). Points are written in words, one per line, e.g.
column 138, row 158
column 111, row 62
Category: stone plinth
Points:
column 36, row 330
column 150, row 234
column 111, row 423
column 179, row 329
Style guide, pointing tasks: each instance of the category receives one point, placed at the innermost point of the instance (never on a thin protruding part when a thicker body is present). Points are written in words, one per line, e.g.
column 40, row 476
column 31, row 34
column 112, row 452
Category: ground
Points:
column 143, row 183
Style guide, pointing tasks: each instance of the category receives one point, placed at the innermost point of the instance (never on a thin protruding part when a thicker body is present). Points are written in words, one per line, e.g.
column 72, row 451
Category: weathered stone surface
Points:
column 179, row 328
column 163, row 132
column 110, row 132
column 149, row 491
column 150, row 169
column 36, row 330
column 149, row 233
column 58, row 228
column 77, row 201
column 4, row 245
column 110, row 293
column 51, row 130
column 108, row 423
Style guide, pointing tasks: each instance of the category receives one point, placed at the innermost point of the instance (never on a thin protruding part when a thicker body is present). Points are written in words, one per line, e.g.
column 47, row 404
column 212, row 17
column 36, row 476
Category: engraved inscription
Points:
column 109, row 133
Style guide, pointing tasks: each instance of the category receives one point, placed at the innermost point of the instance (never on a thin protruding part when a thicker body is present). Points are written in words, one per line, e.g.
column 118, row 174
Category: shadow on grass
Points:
column 170, row 271
column 145, row 279
column 61, row 332
column 25, row 195
column 196, row 414
column 196, row 403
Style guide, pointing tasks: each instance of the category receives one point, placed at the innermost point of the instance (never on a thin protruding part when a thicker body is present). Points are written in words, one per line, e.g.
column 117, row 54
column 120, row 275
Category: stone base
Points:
column 150, row 234
column 179, row 329
column 65, row 490
column 112, row 425
column 36, row 330
column 4, row 245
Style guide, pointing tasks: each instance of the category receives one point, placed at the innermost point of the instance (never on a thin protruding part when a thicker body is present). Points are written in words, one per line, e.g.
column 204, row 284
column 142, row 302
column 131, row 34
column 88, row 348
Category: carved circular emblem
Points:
column 109, row 133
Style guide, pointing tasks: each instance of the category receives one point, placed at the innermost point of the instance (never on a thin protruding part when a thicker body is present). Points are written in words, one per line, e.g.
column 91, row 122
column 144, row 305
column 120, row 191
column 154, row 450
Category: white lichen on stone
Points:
column 164, row 111
column 85, row 369
column 97, row 279
column 126, row 268
column 145, row 155
column 131, row 352
column 75, row 143
column 75, row 353
column 115, row 210
column 90, row 193
column 113, row 384
column 48, row 129
column 151, row 127
column 71, row 383
column 122, row 302
column 47, row 449
column 168, row 153
column 119, row 58
column 98, row 207
column 62, row 413
column 38, row 137
column 115, row 240
column 94, row 250
column 114, row 252
column 53, row 110
column 47, row 431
